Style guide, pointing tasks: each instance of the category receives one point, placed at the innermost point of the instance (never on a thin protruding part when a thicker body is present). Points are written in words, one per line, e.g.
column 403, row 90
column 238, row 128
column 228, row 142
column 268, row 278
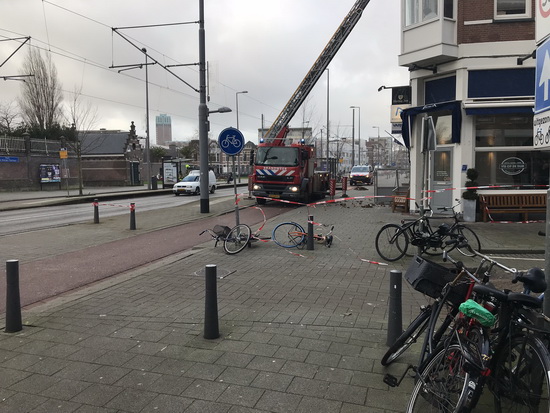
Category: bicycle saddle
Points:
column 443, row 229
column 533, row 279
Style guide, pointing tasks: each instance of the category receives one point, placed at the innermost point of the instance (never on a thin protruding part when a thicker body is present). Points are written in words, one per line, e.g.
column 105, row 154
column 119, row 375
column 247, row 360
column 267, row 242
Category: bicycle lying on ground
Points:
column 234, row 239
column 293, row 235
column 393, row 240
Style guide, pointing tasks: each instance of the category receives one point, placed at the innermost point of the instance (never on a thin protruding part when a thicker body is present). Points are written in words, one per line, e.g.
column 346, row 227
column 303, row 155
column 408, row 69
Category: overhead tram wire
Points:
column 73, row 56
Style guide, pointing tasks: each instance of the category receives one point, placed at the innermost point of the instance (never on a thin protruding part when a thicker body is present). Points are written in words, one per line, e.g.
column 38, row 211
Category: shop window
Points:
column 512, row 9
column 503, row 154
column 517, row 168
column 504, row 130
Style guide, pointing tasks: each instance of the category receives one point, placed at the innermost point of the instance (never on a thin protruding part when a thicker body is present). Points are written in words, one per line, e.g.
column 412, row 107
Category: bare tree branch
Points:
column 41, row 95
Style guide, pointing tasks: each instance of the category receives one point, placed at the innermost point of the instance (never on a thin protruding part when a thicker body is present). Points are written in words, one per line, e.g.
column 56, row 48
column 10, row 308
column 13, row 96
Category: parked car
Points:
column 191, row 183
column 361, row 174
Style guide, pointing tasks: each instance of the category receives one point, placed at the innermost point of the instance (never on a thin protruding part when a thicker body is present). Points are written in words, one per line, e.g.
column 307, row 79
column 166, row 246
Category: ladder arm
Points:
column 279, row 129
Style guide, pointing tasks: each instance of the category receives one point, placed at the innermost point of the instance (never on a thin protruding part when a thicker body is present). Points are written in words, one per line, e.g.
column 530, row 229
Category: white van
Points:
column 191, row 183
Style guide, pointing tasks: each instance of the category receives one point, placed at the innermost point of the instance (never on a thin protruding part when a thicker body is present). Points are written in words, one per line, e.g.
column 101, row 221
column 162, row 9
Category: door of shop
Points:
column 441, row 178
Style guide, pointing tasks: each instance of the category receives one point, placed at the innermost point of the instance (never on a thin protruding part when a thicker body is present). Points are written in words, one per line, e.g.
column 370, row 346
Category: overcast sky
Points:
column 263, row 47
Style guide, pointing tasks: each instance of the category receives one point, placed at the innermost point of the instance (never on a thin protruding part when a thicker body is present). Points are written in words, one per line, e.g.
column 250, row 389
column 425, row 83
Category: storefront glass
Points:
column 510, row 161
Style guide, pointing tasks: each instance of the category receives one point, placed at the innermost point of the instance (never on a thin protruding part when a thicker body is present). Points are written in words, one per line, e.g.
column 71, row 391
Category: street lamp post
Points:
column 203, row 116
column 237, row 112
column 147, row 140
column 353, row 137
column 328, row 117
column 359, row 134
column 378, row 142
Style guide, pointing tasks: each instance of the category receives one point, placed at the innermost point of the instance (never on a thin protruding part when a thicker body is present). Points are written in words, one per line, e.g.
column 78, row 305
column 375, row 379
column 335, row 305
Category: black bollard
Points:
column 96, row 211
column 132, row 216
column 211, row 326
column 310, row 246
column 13, row 300
column 395, row 324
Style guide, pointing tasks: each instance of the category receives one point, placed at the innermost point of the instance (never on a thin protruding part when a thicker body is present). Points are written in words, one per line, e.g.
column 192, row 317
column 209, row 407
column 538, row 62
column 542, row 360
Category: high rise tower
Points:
column 164, row 129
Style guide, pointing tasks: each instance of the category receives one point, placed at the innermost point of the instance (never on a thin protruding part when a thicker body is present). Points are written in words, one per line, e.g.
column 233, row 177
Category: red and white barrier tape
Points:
column 131, row 206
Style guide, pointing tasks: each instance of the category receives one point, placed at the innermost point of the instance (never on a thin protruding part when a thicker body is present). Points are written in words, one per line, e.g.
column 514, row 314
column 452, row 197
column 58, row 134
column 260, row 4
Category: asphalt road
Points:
column 64, row 258
column 25, row 220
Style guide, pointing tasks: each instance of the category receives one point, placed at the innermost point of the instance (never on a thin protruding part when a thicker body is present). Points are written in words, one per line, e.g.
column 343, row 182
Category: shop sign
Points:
column 512, row 166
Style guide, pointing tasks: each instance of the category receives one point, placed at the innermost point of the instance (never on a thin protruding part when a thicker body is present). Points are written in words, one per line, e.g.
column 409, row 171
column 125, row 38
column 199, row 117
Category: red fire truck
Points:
column 284, row 170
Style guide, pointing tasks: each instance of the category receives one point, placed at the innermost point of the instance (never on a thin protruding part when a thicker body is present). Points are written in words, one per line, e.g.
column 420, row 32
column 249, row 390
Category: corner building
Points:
column 472, row 69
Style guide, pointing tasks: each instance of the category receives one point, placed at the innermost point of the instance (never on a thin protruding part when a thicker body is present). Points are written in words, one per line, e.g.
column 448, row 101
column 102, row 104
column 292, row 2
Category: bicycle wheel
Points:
column 470, row 236
column 288, row 235
column 520, row 381
column 409, row 336
column 442, row 386
column 237, row 239
column 391, row 242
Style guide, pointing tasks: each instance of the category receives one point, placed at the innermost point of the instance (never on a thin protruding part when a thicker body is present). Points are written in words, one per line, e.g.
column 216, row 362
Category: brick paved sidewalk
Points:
column 299, row 332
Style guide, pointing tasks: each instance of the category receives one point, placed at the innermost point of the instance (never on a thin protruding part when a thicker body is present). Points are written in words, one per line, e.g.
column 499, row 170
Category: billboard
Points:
column 49, row 172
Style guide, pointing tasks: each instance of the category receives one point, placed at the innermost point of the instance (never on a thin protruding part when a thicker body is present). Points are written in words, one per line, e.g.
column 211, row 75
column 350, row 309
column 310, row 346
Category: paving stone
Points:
column 278, row 402
column 205, row 390
column 65, row 389
column 35, row 383
column 167, row 403
column 295, row 368
column 57, row 406
column 97, row 394
column 240, row 395
column 272, row 381
column 317, row 405
column 235, row 359
column 234, row 375
column 131, row 400
column 21, row 403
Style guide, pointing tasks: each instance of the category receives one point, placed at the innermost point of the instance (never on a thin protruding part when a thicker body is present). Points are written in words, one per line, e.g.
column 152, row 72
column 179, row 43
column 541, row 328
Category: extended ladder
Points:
column 278, row 130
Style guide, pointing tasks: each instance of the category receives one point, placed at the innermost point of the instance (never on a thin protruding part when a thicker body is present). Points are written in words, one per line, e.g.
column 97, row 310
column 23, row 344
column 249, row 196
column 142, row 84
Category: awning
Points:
column 408, row 116
column 498, row 110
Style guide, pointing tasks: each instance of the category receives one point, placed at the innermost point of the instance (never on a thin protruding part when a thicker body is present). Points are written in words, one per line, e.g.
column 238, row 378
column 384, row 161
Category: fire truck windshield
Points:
column 276, row 155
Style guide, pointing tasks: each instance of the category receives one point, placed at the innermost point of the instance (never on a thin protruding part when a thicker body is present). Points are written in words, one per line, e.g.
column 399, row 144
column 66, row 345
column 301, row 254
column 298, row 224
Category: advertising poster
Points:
column 50, row 173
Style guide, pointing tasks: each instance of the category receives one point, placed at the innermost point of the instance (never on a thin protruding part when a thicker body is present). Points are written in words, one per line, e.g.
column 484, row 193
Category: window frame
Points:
column 526, row 15
column 415, row 15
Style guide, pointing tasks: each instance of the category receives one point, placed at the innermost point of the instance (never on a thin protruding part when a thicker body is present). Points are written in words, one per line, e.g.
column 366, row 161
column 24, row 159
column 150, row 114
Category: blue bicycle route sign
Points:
column 231, row 141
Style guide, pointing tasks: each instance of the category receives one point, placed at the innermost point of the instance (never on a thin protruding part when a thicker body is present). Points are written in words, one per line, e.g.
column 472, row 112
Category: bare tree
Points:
column 8, row 118
column 82, row 117
column 41, row 94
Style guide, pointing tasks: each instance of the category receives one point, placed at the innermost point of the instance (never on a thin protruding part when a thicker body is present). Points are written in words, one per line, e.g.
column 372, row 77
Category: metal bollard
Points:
column 395, row 324
column 132, row 216
column 344, row 186
column 211, row 326
column 96, row 211
column 310, row 246
column 13, row 299
column 332, row 187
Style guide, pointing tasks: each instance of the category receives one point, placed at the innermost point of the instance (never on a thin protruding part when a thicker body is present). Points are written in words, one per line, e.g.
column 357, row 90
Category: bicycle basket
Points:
column 429, row 278
column 221, row 230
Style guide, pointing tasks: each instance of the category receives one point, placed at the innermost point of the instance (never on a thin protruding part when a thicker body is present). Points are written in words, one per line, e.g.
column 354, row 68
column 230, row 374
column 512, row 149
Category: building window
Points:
column 503, row 154
column 448, row 9
column 417, row 11
column 512, row 9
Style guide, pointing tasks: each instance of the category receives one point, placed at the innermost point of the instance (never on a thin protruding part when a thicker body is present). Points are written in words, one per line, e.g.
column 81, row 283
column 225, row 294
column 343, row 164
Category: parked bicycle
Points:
column 293, row 235
column 234, row 239
column 393, row 240
column 507, row 354
column 449, row 289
